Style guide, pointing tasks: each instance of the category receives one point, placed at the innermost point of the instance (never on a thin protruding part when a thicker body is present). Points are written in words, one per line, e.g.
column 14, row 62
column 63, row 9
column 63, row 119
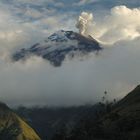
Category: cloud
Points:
column 84, row 2
column 23, row 26
column 35, row 2
column 42, row 3
column 121, row 24
column 35, row 81
column 76, row 82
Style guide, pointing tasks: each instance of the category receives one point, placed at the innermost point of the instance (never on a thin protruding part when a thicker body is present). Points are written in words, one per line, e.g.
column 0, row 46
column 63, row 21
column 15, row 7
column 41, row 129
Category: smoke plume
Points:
column 84, row 22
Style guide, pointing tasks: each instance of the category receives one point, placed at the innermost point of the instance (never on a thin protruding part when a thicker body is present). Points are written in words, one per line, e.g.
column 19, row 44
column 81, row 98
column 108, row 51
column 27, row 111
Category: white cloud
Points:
column 121, row 24
column 83, row 2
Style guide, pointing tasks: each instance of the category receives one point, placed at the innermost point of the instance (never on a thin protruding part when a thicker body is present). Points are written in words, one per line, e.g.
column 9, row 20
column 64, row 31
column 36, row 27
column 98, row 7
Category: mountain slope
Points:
column 13, row 127
column 57, row 46
column 122, row 122
column 133, row 98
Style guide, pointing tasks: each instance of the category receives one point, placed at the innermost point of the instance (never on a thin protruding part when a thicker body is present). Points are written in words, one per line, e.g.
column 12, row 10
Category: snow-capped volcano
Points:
column 58, row 45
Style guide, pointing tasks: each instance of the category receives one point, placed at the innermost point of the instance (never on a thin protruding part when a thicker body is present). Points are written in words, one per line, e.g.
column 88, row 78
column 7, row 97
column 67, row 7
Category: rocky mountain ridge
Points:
column 57, row 46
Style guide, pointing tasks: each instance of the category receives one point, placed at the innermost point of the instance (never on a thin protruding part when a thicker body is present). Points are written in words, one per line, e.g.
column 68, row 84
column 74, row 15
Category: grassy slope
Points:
column 13, row 127
column 27, row 132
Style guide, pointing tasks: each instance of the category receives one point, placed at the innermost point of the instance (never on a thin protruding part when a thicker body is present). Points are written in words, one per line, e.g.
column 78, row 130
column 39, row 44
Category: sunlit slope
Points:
column 13, row 127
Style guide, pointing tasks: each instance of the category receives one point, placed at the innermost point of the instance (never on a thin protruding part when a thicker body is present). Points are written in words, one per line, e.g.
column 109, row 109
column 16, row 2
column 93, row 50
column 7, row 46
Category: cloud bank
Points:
column 76, row 82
